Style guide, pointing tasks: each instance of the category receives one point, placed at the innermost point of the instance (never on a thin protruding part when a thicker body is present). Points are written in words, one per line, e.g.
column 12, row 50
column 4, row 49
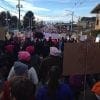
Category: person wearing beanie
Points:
column 9, row 48
column 22, row 68
column 35, row 59
column 30, row 49
column 10, row 55
column 18, row 69
column 54, row 59
column 24, row 56
column 54, row 51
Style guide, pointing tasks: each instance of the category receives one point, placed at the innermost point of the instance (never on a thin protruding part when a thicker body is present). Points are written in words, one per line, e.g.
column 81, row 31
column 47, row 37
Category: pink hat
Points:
column 24, row 56
column 9, row 48
column 30, row 49
column 54, row 51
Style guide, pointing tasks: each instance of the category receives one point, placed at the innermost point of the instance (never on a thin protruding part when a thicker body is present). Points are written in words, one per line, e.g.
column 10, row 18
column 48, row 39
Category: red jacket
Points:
column 6, row 89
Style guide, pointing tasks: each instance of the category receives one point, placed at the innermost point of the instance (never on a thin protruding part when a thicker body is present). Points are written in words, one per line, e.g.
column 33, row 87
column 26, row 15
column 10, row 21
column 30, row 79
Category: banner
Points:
column 80, row 58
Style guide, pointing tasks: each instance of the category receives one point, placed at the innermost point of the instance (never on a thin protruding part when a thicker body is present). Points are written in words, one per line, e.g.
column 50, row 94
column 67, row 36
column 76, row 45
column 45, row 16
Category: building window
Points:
column 97, row 22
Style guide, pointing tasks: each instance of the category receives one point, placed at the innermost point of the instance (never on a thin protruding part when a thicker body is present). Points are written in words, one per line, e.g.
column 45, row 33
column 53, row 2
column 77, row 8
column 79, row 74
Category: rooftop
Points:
column 96, row 9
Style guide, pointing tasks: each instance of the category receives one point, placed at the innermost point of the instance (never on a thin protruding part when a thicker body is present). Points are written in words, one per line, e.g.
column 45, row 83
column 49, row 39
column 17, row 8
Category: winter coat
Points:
column 31, row 73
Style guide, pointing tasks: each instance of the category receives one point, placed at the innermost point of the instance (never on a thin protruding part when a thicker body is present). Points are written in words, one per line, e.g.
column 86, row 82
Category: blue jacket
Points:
column 63, row 93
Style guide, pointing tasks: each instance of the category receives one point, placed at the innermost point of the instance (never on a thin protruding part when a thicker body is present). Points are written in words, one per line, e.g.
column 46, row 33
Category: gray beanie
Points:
column 20, row 68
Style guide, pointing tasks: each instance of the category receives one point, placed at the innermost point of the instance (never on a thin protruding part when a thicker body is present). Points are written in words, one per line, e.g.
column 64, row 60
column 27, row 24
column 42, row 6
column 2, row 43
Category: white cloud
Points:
column 27, row 5
column 33, row 8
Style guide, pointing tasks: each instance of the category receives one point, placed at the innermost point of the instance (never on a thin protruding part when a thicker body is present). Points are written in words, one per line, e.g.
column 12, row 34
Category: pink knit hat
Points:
column 24, row 56
column 30, row 49
column 54, row 51
column 9, row 48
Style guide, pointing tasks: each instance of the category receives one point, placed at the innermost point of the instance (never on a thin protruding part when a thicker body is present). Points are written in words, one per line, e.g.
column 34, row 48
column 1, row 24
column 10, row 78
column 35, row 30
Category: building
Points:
column 87, row 24
column 96, row 11
column 62, row 27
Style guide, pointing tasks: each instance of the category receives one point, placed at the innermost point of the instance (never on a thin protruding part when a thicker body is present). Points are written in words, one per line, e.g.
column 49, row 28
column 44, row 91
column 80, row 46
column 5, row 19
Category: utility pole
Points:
column 19, row 14
column 19, row 6
column 79, row 26
column 72, row 22
column 72, row 16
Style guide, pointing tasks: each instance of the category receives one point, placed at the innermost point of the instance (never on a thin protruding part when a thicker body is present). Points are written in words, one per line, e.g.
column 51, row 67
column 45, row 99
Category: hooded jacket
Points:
column 20, row 69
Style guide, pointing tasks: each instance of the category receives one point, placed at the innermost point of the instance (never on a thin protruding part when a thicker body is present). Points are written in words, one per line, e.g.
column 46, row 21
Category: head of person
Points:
column 50, row 38
column 20, row 69
column 54, row 51
column 9, row 49
column 22, row 89
column 55, row 42
column 53, row 80
column 30, row 49
column 24, row 56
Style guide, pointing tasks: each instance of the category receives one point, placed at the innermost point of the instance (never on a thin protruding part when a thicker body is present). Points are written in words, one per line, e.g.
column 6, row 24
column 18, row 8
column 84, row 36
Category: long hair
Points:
column 53, row 82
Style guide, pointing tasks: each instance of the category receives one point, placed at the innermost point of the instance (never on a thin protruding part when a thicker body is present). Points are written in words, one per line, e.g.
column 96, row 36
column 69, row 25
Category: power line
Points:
column 7, row 9
column 7, row 3
column 81, row 2
column 3, row 7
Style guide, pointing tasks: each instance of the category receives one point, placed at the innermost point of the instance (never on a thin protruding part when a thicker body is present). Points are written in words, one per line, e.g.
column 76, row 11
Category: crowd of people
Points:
column 32, row 70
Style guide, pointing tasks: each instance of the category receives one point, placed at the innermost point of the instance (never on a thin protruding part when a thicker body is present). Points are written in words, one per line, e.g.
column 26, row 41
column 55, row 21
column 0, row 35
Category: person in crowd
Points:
column 54, row 89
column 22, row 68
column 4, row 69
column 26, row 43
column 61, row 44
column 96, row 89
column 18, row 88
column 10, row 54
column 22, row 89
column 53, row 59
column 76, row 83
column 87, row 95
column 1, row 88
column 55, row 43
column 35, row 59
column 50, row 43
column 39, row 46
column 45, row 51
column 2, row 43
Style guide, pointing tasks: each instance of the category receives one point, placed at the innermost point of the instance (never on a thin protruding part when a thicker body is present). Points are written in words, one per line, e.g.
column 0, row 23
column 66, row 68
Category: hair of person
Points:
column 53, row 81
column 22, row 89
